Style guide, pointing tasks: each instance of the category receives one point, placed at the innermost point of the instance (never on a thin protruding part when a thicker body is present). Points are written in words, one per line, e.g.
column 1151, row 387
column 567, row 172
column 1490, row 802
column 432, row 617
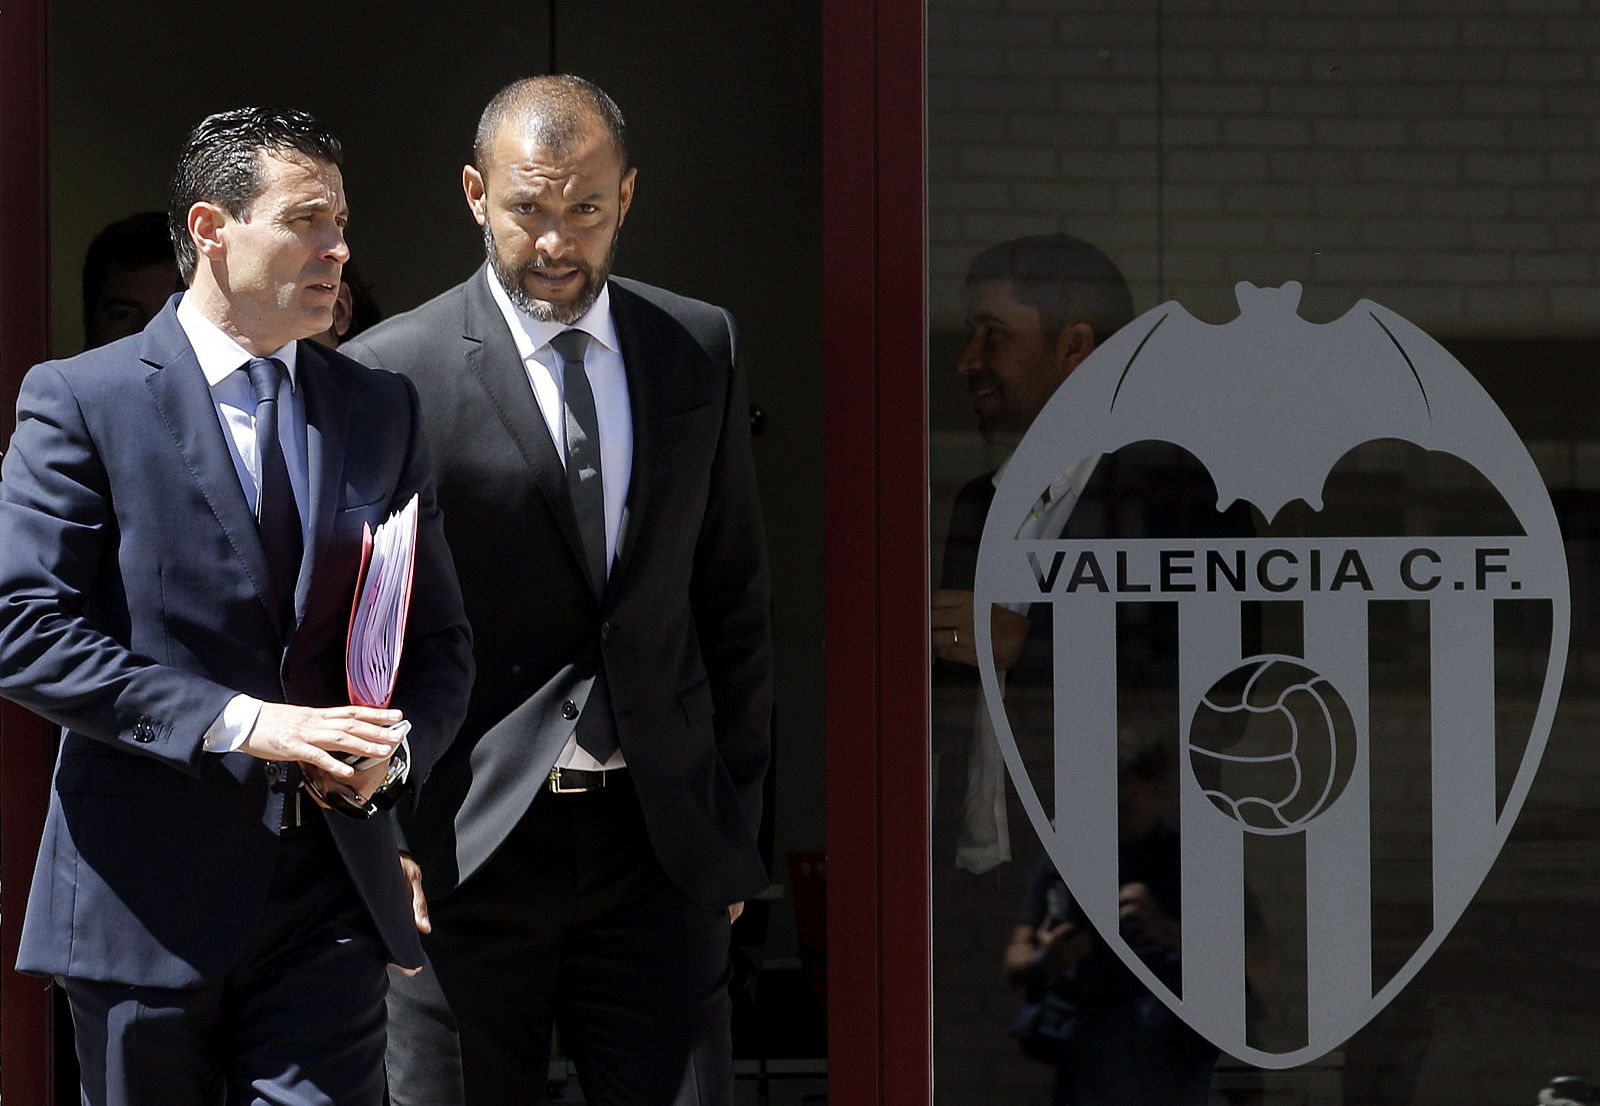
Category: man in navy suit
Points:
column 182, row 516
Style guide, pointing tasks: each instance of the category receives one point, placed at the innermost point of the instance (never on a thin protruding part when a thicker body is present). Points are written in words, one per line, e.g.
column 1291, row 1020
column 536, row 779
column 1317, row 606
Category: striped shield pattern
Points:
column 1349, row 731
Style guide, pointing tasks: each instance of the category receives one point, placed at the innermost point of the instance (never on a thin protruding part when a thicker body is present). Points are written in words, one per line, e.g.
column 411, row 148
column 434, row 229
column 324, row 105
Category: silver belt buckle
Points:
column 558, row 788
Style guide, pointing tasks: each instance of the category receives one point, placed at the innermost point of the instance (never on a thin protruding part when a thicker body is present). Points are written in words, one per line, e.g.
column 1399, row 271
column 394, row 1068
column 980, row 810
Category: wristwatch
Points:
column 382, row 798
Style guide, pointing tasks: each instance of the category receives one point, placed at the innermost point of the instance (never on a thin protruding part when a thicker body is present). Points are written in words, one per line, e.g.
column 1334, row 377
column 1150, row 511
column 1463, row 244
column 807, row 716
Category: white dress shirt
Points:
column 985, row 840
column 222, row 361
column 608, row 379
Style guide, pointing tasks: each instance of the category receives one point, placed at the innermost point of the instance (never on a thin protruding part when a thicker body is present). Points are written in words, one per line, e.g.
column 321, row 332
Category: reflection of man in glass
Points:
column 1036, row 308
column 129, row 273
column 1118, row 1044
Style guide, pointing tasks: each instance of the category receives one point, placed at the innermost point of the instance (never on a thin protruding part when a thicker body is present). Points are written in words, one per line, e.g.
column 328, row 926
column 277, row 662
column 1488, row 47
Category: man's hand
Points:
column 1062, row 945
column 419, row 901
column 358, row 788
column 955, row 640
column 1142, row 919
column 311, row 735
column 734, row 911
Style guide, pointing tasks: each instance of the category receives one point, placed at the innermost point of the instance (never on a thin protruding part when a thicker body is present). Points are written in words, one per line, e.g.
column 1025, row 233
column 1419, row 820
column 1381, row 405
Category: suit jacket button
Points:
column 605, row 631
column 569, row 710
column 272, row 772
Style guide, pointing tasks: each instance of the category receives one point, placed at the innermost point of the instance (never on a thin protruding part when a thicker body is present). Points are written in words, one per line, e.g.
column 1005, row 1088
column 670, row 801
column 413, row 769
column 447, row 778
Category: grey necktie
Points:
column 277, row 518
column 584, row 483
column 596, row 729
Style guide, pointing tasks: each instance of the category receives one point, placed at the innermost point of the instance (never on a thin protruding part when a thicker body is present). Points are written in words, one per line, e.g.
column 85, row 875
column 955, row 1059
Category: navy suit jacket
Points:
column 683, row 627
column 133, row 606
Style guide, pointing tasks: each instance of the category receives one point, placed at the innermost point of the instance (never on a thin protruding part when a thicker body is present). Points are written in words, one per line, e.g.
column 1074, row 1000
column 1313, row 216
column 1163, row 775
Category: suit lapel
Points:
column 491, row 357
column 179, row 389
column 640, row 360
column 327, row 406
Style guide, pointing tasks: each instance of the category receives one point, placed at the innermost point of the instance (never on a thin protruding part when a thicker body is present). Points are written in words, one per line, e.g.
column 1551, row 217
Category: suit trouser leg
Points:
column 299, row 1022
column 572, row 920
column 670, row 1039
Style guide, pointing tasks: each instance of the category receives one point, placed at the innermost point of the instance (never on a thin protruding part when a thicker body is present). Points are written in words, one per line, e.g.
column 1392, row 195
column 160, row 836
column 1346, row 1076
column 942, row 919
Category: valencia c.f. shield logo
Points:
column 1284, row 738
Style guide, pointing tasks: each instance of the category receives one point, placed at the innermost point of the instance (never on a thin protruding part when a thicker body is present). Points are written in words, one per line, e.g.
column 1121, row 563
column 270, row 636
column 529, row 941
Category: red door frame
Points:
column 875, row 342
column 877, row 544
column 25, row 1046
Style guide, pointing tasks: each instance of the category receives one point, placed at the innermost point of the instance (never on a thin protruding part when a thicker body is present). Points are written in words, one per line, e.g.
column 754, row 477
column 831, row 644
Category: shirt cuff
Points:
column 232, row 726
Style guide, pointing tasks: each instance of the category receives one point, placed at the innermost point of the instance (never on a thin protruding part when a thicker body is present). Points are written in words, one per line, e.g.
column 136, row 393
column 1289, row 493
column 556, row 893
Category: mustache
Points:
column 539, row 262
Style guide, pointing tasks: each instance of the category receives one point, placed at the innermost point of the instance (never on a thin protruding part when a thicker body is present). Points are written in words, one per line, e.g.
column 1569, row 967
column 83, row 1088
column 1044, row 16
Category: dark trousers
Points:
column 299, row 1021
column 571, row 921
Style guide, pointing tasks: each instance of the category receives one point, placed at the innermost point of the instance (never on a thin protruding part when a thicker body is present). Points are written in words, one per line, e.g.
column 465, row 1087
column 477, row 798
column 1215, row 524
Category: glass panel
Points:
column 1265, row 488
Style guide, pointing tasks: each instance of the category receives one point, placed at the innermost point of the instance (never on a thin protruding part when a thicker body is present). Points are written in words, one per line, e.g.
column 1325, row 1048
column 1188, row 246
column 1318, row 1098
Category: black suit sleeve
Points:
column 357, row 350
column 730, row 596
column 437, row 668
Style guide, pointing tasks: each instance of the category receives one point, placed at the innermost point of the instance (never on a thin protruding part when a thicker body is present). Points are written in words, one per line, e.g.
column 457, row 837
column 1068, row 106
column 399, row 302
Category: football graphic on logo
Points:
column 1272, row 745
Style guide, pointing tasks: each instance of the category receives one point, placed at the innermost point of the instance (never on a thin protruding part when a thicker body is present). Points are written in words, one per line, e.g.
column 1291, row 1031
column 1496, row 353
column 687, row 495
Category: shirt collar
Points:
column 220, row 355
column 1072, row 481
column 531, row 334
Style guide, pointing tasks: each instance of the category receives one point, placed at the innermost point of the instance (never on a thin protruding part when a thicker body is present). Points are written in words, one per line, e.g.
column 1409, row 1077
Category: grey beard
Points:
column 543, row 310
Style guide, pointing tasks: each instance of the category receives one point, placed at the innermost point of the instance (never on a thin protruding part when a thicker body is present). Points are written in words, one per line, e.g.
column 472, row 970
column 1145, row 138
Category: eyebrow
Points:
column 318, row 204
column 523, row 195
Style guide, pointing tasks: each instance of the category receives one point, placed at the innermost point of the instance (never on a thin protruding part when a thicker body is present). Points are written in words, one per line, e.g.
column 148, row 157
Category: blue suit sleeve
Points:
column 56, row 516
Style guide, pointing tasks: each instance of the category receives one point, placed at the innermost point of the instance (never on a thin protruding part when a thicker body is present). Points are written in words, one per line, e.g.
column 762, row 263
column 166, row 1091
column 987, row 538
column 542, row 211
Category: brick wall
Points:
column 1438, row 156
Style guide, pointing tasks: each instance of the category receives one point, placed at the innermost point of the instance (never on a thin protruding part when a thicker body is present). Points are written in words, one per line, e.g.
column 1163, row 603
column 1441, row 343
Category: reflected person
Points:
column 1115, row 1043
column 1036, row 308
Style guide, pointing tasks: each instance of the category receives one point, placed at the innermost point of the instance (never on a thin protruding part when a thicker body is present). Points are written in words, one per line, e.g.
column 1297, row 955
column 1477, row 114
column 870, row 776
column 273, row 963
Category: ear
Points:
column 626, row 194
column 477, row 194
column 1073, row 345
column 205, row 223
column 342, row 311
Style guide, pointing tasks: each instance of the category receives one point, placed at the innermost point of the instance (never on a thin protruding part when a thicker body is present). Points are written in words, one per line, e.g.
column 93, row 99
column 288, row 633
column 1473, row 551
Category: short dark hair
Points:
column 135, row 242
column 1064, row 278
column 554, row 109
column 221, row 164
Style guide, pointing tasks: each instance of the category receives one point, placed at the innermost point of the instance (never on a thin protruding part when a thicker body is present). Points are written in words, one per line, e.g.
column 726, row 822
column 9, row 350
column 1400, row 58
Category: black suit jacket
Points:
column 683, row 627
column 132, row 608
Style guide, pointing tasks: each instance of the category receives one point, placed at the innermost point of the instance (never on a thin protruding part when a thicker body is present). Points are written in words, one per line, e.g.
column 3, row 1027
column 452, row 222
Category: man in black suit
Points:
column 182, row 513
column 586, row 843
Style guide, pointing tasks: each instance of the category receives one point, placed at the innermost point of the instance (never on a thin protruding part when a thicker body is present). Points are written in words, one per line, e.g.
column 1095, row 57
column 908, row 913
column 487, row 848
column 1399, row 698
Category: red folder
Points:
column 380, row 607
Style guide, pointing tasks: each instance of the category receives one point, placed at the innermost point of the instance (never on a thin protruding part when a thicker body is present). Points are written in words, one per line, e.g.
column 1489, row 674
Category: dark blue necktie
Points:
column 276, row 515
column 597, row 727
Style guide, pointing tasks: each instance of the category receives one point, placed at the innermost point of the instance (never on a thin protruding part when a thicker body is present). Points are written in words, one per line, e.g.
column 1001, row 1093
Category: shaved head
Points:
column 556, row 111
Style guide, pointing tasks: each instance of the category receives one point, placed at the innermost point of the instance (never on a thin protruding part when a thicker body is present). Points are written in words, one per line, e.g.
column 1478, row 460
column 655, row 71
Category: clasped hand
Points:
column 312, row 735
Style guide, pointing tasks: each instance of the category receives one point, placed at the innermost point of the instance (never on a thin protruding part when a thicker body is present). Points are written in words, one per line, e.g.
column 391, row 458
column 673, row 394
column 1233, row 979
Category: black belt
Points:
column 299, row 810
column 577, row 781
